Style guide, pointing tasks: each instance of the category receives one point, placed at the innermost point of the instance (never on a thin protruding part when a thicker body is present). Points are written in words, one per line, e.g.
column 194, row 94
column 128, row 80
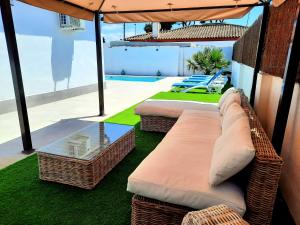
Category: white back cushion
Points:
column 233, row 150
column 231, row 98
column 233, row 113
column 225, row 94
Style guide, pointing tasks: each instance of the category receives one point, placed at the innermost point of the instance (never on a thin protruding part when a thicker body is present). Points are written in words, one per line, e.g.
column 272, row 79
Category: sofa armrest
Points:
column 217, row 215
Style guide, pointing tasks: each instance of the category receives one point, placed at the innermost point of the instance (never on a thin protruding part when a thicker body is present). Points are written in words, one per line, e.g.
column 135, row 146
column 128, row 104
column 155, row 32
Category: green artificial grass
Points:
column 27, row 200
column 191, row 96
column 24, row 199
column 128, row 117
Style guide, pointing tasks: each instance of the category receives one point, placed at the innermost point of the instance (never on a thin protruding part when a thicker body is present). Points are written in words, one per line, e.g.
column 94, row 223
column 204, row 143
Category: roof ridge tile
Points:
column 203, row 31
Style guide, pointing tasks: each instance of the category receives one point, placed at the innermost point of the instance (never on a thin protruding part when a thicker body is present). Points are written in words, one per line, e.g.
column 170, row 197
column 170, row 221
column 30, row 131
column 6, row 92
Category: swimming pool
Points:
column 133, row 78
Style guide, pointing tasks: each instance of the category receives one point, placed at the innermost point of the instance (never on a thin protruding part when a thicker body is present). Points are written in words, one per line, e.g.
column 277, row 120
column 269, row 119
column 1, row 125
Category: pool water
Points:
column 133, row 78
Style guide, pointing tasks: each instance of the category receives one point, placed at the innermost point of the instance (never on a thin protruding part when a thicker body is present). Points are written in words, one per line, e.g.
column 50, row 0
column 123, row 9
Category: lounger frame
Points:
column 261, row 186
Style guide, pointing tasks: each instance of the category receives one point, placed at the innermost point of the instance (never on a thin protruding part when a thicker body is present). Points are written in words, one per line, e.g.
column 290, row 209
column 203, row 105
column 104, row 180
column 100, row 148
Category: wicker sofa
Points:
column 260, row 188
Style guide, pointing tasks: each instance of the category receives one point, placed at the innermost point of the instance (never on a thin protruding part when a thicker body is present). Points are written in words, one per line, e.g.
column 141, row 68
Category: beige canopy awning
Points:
column 117, row 11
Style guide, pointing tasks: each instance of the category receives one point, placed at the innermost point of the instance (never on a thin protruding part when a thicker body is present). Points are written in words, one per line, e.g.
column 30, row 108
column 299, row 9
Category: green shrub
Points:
column 207, row 61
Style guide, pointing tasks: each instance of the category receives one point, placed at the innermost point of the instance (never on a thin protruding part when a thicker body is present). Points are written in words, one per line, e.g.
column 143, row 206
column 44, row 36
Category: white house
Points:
column 147, row 58
column 58, row 56
column 168, row 51
column 54, row 57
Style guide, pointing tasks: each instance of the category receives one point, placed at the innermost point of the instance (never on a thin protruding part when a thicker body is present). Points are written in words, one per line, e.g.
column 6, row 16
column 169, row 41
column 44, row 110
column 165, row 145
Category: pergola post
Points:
column 259, row 53
column 124, row 29
column 288, row 83
column 99, row 63
column 16, row 73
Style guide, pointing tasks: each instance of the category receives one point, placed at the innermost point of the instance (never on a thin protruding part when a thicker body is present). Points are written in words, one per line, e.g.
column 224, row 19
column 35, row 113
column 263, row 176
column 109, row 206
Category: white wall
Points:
column 242, row 76
column 142, row 60
column 147, row 60
column 219, row 44
column 51, row 59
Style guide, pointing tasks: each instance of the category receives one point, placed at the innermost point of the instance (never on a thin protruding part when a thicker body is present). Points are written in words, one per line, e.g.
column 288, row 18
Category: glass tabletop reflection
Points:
column 87, row 142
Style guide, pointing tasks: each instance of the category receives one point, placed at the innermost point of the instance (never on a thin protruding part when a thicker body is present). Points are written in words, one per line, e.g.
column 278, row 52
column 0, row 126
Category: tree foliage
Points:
column 207, row 61
column 163, row 26
column 148, row 28
column 166, row 25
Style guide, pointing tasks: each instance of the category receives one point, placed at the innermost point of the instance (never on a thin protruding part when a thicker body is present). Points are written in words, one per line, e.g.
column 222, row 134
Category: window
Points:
column 70, row 23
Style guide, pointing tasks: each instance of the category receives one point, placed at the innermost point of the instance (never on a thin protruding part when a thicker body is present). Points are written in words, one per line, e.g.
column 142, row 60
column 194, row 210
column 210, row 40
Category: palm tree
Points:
column 208, row 61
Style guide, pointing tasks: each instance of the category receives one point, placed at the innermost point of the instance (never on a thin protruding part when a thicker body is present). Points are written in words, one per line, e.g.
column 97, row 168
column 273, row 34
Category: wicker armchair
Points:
column 216, row 215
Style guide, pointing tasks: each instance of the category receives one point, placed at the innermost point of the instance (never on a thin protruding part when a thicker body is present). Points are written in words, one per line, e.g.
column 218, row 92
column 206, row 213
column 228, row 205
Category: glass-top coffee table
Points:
column 84, row 157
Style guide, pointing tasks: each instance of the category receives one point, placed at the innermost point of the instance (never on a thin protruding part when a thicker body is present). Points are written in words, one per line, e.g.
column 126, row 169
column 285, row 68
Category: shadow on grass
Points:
column 27, row 200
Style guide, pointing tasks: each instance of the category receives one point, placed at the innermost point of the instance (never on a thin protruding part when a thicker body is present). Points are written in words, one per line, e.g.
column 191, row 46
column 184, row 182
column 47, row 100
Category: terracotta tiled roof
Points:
column 203, row 32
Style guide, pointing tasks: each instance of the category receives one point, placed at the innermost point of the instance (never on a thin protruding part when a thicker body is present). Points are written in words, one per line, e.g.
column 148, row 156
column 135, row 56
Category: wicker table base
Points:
column 85, row 173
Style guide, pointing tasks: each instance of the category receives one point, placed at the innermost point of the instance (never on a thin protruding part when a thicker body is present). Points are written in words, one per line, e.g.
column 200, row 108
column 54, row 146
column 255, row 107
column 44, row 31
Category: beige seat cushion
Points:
column 205, row 124
column 225, row 94
column 233, row 151
column 177, row 170
column 171, row 108
column 231, row 98
column 233, row 113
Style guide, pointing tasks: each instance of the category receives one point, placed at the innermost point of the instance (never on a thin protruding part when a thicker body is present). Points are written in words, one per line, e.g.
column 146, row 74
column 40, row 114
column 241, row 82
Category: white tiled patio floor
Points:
column 51, row 121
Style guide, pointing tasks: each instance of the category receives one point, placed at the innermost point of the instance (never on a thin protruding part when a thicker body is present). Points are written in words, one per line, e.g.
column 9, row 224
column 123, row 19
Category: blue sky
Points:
column 114, row 32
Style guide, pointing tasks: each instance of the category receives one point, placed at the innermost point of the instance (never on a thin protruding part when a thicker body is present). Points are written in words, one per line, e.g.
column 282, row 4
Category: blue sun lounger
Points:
column 199, row 78
column 205, row 84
